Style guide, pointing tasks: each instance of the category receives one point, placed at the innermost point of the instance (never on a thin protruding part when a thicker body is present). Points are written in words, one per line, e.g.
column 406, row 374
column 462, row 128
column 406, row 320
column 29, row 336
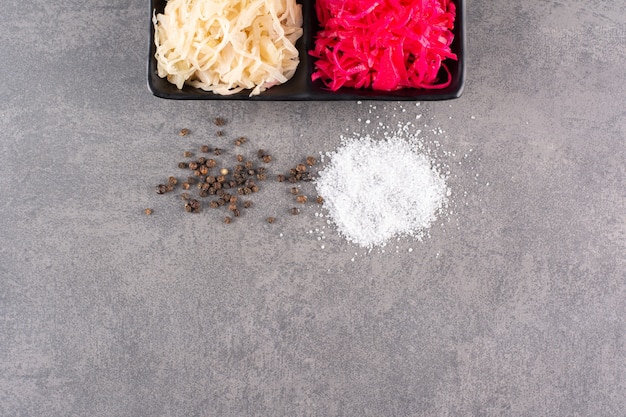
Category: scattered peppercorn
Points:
column 294, row 211
column 192, row 206
column 310, row 161
column 247, row 204
column 201, row 160
column 217, row 151
column 300, row 168
column 301, row 199
column 267, row 159
column 161, row 189
column 214, row 204
column 219, row 121
column 183, row 165
column 236, row 213
column 295, row 190
column 204, row 148
column 280, row 178
column 319, row 199
column 193, row 165
column 239, row 158
column 187, row 154
column 184, row 196
column 210, row 163
column 183, row 132
column 148, row 211
column 204, row 169
column 220, row 133
column 186, row 185
column 227, row 220
column 271, row 220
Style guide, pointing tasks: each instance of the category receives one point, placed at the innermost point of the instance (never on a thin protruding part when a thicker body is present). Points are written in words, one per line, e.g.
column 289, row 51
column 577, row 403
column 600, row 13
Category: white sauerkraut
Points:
column 226, row 46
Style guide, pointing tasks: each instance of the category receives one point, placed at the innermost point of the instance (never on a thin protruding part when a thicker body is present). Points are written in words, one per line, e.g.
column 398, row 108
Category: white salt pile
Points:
column 375, row 190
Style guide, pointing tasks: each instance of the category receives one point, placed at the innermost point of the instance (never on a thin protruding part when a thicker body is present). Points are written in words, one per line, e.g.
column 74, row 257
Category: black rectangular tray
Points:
column 300, row 87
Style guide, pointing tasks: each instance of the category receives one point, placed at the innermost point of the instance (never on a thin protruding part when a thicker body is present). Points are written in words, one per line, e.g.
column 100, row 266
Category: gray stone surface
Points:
column 514, row 306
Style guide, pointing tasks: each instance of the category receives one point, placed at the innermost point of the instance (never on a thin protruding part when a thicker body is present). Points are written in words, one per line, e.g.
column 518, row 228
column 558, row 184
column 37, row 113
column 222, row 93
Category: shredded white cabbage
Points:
column 226, row 46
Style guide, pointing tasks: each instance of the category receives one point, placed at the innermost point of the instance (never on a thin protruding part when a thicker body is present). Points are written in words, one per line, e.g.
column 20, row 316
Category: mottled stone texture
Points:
column 514, row 306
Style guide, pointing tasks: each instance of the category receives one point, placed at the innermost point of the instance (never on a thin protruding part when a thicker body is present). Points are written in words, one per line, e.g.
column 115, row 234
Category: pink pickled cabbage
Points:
column 383, row 44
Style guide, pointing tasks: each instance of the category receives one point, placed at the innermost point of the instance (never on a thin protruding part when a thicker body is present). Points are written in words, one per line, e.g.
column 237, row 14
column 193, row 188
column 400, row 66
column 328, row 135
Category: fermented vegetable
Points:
column 384, row 44
column 226, row 46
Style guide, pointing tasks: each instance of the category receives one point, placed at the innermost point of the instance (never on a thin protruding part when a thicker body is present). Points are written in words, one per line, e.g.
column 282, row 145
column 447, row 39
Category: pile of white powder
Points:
column 378, row 189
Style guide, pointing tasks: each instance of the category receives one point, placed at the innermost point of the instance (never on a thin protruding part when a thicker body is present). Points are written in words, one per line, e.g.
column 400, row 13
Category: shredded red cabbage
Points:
column 385, row 45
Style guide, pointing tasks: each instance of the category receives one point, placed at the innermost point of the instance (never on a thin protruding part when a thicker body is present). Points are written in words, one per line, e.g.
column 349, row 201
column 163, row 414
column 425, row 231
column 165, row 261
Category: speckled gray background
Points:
column 514, row 306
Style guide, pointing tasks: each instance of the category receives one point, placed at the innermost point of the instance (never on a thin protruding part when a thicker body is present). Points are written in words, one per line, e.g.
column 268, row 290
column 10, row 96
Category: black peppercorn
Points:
column 310, row 161
column 193, row 165
column 193, row 206
column 271, row 220
column 204, row 148
column 301, row 199
column 227, row 220
column 161, row 189
column 183, row 165
column 294, row 210
column 183, row 132
column 219, row 121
